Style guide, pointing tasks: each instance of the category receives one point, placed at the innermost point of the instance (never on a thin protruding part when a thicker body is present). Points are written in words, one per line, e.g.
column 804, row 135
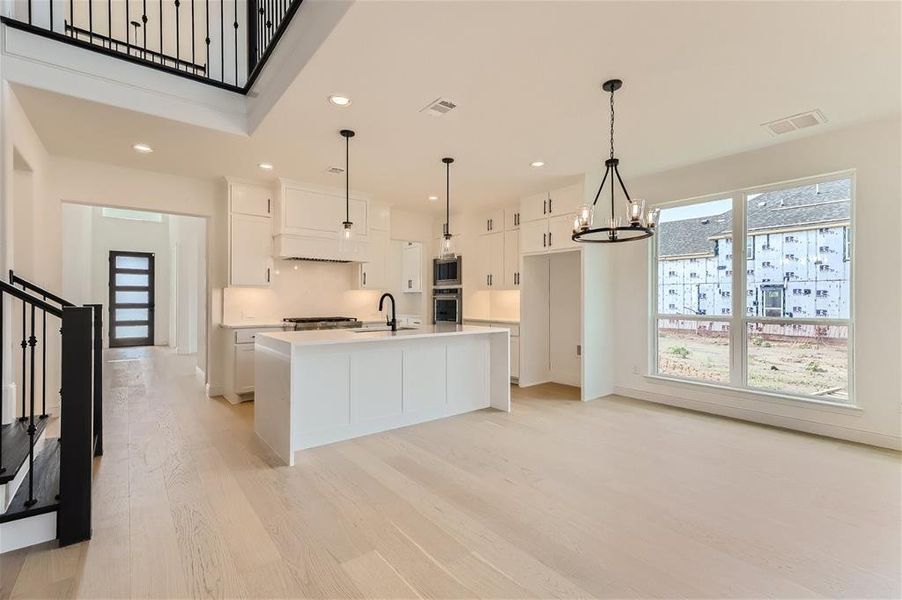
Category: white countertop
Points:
column 250, row 325
column 344, row 336
column 505, row 321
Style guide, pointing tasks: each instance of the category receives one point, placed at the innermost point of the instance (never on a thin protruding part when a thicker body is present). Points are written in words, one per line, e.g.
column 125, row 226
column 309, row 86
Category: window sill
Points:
column 750, row 394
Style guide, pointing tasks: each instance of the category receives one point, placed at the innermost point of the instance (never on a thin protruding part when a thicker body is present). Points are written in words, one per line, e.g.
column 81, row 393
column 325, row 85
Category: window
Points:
column 799, row 349
column 131, row 215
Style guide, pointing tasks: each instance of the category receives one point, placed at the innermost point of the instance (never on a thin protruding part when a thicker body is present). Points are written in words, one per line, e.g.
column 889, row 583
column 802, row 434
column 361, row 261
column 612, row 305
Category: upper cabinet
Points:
column 492, row 221
column 548, row 220
column 247, row 199
column 412, row 267
column 250, row 234
column 308, row 221
column 512, row 218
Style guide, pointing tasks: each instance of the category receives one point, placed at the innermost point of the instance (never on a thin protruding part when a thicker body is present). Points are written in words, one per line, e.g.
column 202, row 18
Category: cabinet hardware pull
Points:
column 544, row 207
column 549, row 205
column 267, row 274
column 549, row 239
column 364, row 278
column 544, row 240
column 409, row 283
column 268, row 205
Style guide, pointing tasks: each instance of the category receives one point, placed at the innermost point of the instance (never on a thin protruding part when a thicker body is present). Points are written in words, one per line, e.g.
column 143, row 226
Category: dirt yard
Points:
column 807, row 367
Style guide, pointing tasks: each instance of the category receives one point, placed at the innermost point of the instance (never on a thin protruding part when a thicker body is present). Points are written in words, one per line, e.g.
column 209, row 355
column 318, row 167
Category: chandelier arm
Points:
column 601, row 187
column 622, row 186
column 612, row 193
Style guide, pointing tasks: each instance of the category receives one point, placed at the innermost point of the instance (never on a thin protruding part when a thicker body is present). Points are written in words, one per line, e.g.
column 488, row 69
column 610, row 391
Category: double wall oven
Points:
column 447, row 293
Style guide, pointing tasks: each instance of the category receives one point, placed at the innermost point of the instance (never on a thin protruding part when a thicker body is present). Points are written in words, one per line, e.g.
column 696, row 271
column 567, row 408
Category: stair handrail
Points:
column 24, row 296
column 16, row 280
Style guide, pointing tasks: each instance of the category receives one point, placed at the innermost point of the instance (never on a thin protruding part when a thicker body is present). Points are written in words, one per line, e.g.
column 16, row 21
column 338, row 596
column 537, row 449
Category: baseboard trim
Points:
column 860, row 436
column 212, row 390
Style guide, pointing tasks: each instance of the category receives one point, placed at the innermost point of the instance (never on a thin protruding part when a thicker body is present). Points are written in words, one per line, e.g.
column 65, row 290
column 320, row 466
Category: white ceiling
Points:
column 699, row 79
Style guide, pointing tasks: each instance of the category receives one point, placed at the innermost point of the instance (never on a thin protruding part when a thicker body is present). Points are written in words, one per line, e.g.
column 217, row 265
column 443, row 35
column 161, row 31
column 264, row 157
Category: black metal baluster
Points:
column 44, row 363
column 24, row 345
column 51, row 15
column 193, row 57
column 91, row 21
column 31, row 428
column 177, row 4
column 207, row 39
column 29, row 12
column 162, row 60
column 109, row 23
column 144, row 22
column 222, row 39
column 128, row 21
column 236, row 43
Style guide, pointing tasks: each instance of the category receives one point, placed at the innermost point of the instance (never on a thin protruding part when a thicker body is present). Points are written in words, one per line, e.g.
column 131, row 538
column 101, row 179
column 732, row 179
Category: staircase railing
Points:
column 224, row 43
column 81, row 394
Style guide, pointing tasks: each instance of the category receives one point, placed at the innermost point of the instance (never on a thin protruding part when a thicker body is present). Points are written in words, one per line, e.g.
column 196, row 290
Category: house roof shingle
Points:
column 825, row 202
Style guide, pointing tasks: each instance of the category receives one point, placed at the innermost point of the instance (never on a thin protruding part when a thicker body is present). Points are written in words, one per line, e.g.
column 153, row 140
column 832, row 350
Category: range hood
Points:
column 322, row 249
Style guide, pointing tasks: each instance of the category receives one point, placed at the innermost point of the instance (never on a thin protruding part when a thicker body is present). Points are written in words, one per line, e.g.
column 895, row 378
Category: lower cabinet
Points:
column 514, row 341
column 240, row 379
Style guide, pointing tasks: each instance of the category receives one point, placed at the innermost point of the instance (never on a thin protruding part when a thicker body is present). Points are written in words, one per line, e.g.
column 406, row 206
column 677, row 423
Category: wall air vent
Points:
column 335, row 170
column 439, row 107
column 322, row 260
column 795, row 122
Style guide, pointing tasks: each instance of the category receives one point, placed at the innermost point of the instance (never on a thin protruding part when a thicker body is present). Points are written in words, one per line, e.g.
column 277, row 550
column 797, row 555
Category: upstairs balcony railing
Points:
column 224, row 43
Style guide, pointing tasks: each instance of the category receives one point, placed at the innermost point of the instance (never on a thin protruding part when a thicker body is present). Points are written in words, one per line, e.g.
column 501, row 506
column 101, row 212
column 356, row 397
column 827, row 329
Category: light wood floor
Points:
column 613, row 498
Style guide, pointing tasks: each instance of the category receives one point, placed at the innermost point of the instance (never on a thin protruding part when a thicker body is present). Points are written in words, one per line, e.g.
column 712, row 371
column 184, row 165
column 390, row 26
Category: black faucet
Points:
column 393, row 322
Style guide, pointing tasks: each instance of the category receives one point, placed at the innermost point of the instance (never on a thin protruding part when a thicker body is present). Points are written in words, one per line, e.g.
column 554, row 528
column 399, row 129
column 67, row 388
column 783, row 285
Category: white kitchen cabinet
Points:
column 243, row 381
column 515, row 357
column 489, row 261
column 372, row 273
column 565, row 200
column 412, row 267
column 318, row 213
column 512, row 218
column 534, row 237
column 533, row 208
column 248, row 199
column 250, row 250
column 492, row 221
column 511, row 260
column 560, row 230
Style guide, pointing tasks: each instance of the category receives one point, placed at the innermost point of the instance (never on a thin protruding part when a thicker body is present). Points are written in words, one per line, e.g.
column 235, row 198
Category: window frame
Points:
column 739, row 320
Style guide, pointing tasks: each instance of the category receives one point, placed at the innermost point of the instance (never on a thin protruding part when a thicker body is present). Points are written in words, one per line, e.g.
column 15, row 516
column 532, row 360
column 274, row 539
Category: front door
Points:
column 131, row 299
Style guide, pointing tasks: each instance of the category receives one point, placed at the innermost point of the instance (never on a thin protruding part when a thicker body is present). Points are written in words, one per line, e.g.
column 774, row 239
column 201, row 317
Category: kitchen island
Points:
column 319, row 387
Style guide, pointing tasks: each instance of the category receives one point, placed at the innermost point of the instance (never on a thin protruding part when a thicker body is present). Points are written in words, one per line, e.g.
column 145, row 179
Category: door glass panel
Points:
column 132, row 279
column 133, row 262
column 132, row 297
column 132, row 331
column 132, row 314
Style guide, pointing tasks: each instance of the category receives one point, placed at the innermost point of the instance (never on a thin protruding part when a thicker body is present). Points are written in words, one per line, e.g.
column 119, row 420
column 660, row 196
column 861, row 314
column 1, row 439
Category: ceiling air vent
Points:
column 794, row 122
column 439, row 107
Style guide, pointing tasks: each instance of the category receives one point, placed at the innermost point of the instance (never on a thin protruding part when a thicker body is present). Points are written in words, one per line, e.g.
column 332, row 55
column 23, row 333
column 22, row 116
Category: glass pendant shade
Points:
column 584, row 218
column 636, row 212
column 346, row 241
column 447, row 250
column 652, row 219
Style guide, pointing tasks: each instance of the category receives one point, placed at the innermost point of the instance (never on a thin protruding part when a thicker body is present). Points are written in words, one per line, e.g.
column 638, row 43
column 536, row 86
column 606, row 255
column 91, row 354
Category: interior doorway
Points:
column 132, row 291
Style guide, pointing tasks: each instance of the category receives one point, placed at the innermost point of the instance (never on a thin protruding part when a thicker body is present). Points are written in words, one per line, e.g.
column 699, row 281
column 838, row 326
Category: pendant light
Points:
column 638, row 224
column 346, row 234
column 447, row 245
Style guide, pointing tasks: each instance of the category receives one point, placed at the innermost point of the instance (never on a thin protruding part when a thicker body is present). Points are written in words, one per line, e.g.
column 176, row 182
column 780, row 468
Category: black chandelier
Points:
column 638, row 225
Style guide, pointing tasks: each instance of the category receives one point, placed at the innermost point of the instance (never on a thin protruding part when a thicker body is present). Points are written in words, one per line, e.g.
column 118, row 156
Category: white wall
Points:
column 187, row 297
column 564, row 317
column 873, row 150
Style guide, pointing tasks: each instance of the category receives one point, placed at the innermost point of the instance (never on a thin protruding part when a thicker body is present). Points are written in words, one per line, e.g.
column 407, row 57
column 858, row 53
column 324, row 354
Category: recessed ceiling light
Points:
column 537, row 163
column 142, row 148
column 340, row 100
column 433, row 198
column 265, row 166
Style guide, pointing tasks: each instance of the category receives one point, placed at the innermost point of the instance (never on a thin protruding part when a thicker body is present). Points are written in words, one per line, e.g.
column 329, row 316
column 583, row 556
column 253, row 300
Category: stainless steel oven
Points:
column 447, row 272
column 447, row 305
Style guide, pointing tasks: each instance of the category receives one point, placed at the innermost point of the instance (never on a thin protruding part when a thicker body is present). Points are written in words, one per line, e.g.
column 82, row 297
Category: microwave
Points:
column 447, row 272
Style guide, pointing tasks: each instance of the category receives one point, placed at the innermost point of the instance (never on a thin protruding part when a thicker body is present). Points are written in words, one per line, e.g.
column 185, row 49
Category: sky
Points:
column 692, row 211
